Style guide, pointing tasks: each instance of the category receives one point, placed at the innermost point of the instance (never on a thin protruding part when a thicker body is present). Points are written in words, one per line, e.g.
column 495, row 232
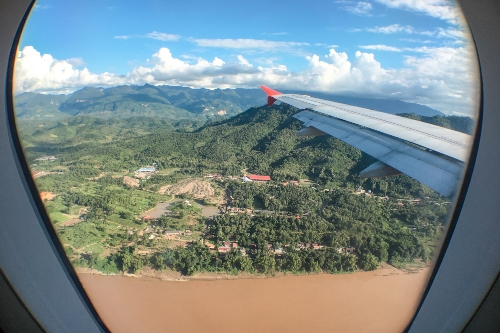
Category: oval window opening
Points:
column 273, row 166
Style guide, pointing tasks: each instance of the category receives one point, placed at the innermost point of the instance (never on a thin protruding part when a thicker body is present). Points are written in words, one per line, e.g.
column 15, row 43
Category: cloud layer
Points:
column 441, row 9
column 442, row 77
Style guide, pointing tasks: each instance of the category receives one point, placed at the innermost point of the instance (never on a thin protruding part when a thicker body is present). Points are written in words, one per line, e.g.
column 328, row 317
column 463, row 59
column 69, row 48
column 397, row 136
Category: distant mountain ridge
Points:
column 175, row 102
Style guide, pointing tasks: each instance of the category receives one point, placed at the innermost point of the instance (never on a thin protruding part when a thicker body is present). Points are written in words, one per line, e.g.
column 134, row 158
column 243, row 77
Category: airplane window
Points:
column 273, row 166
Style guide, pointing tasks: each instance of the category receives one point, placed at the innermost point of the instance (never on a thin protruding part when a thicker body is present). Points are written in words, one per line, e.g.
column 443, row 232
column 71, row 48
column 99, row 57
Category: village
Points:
column 181, row 208
column 187, row 236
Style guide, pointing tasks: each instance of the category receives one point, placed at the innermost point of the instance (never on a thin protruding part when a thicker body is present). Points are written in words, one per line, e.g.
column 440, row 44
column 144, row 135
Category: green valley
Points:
column 314, row 215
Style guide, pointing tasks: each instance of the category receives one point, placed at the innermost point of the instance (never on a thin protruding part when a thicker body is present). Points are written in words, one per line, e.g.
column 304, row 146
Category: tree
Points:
column 293, row 262
column 369, row 262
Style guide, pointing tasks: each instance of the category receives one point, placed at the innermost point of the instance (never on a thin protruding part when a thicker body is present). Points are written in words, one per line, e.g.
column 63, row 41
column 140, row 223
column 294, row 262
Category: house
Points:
column 258, row 178
column 146, row 169
column 171, row 232
column 224, row 249
column 145, row 172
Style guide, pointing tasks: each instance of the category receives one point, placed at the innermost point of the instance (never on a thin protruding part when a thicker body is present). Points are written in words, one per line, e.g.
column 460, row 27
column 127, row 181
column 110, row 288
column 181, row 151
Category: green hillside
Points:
column 399, row 221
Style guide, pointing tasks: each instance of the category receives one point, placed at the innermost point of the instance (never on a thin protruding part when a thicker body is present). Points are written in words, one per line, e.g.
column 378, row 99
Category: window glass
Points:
column 185, row 201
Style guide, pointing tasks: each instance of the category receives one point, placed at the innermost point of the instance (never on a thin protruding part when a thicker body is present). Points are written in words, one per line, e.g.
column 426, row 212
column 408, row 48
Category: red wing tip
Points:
column 270, row 91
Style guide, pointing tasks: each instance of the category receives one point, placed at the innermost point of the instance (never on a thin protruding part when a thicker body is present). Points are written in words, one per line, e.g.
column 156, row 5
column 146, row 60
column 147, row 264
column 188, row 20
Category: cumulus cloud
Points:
column 441, row 9
column 380, row 47
column 153, row 35
column 77, row 62
column 261, row 44
column 440, row 77
column 43, row 73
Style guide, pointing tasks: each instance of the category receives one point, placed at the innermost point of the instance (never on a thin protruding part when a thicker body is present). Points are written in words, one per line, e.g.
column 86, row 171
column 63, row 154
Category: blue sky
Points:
column 411, row 50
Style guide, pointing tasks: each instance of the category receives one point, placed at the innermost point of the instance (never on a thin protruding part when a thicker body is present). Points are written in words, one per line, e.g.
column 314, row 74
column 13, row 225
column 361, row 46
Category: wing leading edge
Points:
column 389, row 138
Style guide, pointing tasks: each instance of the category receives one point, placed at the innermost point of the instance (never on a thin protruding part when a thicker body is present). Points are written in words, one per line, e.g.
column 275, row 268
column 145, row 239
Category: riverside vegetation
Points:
column 324, row 224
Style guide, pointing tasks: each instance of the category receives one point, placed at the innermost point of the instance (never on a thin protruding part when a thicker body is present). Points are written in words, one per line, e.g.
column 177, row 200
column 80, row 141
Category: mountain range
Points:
column 173, row 102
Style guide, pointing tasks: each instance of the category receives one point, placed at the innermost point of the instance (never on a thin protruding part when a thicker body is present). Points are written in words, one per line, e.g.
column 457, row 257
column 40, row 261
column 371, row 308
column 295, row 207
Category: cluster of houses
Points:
column 47, row 158
column 290, row 182
column 151, row 233
column 250, row 178
column 228, row 246
column 245, row 178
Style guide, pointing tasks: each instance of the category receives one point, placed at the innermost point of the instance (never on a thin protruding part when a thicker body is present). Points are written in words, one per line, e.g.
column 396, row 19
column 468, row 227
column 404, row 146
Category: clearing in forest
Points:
column 47, row 196
column 131, row 182
column 199, row 189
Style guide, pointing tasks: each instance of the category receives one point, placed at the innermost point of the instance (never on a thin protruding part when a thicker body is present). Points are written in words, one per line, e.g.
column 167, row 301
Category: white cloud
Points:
column 43, row 73
column 380, row 47
column 162, row 36
column 77, row 62
column 441, row 9
column 392, row 29
column 243, row 61
column 359, row 8
column 415, row 40
column 440, row 77
column 153, row 35
column 260, row 44
column 407, row 29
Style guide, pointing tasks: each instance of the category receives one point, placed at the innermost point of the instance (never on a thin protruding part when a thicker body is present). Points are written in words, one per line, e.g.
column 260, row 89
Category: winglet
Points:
column 270, row 92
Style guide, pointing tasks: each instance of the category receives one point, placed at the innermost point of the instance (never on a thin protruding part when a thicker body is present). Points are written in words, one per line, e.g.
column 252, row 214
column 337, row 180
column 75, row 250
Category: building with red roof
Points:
column 259, row 178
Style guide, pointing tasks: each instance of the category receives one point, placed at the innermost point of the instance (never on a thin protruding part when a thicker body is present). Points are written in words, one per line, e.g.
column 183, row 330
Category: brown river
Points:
column 379, row 301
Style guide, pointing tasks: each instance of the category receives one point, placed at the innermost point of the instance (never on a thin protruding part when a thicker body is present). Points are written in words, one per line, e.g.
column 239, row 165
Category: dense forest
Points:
column 333, row 221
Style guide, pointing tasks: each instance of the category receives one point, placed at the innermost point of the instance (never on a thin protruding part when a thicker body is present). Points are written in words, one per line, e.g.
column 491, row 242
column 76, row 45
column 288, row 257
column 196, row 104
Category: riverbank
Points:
column 380, row 301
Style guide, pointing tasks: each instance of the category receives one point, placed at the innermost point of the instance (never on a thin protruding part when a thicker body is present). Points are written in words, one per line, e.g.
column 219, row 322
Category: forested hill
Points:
column 174, row 103
column 96, row 196
column 261, row 140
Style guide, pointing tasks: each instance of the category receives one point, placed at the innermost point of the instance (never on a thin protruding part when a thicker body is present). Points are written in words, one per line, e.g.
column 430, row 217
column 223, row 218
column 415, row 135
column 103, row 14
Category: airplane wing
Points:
column 433, row 155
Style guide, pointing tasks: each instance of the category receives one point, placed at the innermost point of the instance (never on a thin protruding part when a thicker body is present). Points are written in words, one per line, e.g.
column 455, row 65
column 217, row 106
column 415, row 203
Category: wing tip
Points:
column 270, row 92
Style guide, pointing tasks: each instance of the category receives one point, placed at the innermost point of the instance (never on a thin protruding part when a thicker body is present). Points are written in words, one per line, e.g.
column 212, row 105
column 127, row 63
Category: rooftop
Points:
column 259, row 177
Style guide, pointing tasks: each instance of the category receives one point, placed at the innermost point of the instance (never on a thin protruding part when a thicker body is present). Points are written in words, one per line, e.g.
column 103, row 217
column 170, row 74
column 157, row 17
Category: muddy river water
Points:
column 379, row 301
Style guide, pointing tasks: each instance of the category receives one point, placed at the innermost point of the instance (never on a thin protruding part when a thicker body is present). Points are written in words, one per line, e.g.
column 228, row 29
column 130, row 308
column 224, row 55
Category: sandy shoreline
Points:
column 380, row 301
